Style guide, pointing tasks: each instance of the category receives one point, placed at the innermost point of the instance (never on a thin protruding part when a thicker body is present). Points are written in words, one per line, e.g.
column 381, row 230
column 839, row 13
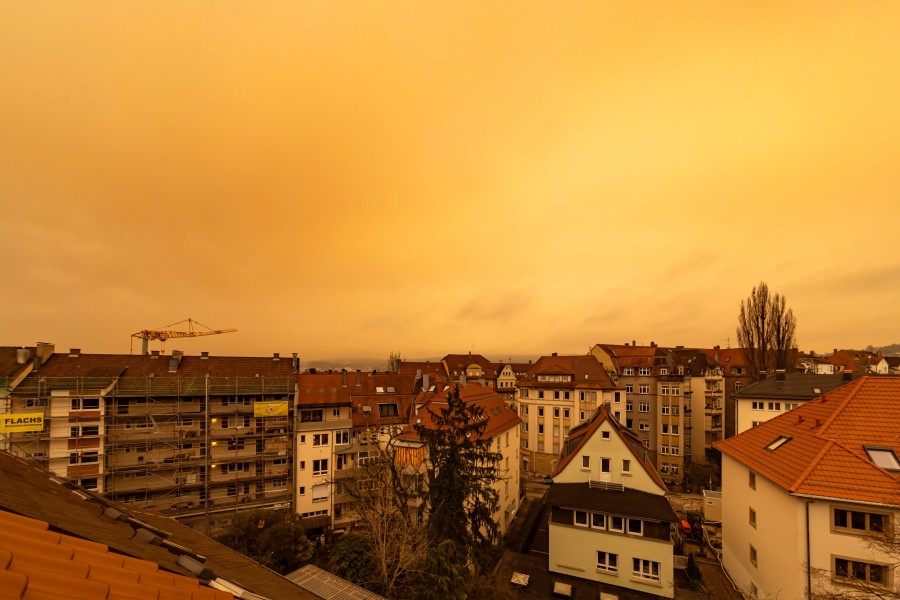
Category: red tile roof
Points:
column 459, row 362
column 354, row 388
column 586, row 371
column 826, row 454
column 579, row 436
column 36, row 562
column 856, row 361
column 500, row 416
column 112, row 365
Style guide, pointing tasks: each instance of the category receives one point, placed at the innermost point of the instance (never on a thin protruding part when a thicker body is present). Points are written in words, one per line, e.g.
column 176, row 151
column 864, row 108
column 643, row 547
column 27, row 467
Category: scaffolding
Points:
column 184, row 445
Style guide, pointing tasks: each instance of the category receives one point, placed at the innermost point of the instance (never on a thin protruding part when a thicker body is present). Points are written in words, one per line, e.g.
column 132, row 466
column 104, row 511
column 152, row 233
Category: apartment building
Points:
column 780, row 393
column 556, row 394
column 610, row 521
column 470, row 367
column 187, row 435
column 704, row 407
column 342, row 420
column 502, row 430
column 806, row 492
column 507, row 377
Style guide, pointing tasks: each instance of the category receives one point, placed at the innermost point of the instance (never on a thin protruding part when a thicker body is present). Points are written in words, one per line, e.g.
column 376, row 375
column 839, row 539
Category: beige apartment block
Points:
column 557, row 394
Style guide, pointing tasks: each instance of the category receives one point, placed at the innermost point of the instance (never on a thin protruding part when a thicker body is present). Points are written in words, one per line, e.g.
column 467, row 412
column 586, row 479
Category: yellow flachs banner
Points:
column 22, row 422
column 277, row 408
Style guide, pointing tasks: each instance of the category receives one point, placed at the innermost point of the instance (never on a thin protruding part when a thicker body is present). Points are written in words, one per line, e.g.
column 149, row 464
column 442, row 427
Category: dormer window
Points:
column 778, row 442
column 883, row 457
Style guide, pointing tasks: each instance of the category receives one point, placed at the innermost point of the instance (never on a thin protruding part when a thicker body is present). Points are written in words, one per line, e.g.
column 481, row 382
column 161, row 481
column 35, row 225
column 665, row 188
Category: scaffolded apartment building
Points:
column 187, row 435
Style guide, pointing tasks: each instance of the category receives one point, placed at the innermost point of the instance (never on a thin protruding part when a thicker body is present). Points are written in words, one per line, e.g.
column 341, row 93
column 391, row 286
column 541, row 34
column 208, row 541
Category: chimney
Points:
column 633, row 343
column 43, row 351
column 154, row 354
column 780, row 375
column 23, row 355
column 418, row 374
column 295, row 363
column 204, row 356
column 425, row 381
column 358, row 380
column 175, row 360
column 847, row 375
column 74, row 352
column 653, row 344
column 835, row 351
column 312, row 370
column 462, row 380
column 343, row 377
column 276, row 356
column 554, row 354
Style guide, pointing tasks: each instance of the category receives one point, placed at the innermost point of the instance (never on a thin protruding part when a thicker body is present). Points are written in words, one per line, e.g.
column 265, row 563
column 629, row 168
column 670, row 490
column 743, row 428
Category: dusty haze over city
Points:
column 346, row 179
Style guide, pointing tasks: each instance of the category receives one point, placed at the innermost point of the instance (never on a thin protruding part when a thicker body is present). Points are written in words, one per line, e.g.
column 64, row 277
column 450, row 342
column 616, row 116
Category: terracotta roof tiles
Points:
column 826, row 453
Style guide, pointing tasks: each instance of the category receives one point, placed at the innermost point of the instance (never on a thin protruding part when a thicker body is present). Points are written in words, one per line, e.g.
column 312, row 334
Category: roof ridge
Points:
column 812, row 465
column 840, row 408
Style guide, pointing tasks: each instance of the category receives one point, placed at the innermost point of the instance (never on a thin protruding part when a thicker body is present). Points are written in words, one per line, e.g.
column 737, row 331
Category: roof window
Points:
column 883, row 457
column 778, row 442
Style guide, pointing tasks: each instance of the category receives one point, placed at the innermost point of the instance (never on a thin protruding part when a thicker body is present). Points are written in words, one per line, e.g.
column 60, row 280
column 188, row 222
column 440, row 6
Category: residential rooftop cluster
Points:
column 805, row 459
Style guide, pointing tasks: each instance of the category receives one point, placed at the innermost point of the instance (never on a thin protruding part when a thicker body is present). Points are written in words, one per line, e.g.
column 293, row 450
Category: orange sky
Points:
column 347, row 178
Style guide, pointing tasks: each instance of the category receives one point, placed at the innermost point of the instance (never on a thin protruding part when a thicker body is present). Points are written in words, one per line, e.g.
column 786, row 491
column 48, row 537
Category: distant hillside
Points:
column 889, row 350
column 380, row 364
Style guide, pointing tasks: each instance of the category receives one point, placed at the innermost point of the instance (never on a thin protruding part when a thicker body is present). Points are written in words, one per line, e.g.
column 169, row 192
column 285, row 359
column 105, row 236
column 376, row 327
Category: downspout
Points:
column 808, row 555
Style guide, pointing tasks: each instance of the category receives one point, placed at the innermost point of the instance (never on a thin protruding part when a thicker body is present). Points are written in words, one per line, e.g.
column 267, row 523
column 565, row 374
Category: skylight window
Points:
column 884, row 458
column 778, row 442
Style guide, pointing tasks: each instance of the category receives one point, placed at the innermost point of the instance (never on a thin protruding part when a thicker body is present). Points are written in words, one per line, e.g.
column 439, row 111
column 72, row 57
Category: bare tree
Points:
column 766, row 330
column 383, row 492
column 868, row 578
column 394, row 362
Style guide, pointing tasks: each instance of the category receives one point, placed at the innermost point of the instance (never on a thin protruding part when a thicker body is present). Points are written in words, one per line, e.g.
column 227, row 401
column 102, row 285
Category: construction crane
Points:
column 164, row 333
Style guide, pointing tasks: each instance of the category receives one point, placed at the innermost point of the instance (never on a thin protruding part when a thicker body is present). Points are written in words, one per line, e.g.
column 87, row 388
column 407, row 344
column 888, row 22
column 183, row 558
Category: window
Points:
column 644, row 407
column 861, row 571
column 758, row 405
column 674, row 429
column 565, row 395
column 540, row 428
column 598, row 521
column 675, row 450
column 556, row 397
column 342, row 437
column 629, row 406
column 565, row 413
column 674, row 469
column 883, row 457
column 752, row 518
column 778, row 442
column 753, row 556
column 607, row 561
column 541, row 394
column 586, row 462
column 644, row 388
column 644, row 371
column 320, row 439
column 645, row 569
column 302, row 490
column 664, row 449
column 791, row 405
column 616, row 523
column 626, row 465
column 737, row 385
column 752, row 480
column 852, row 521
column 335, row 412
column 310, row 415
column 774, row 405
column 320, row 492
column 320, row 466
column 604, row 435
column 635, row 527
column 664, row 390
column 581, row 518
column 663, row 371
column 541, row 410
column 302, row 465
column 664, row 408
column 676, row 391
column 604, row 465
column 643, row 426
column 629, row 388
column 629, row 371
column 664, row 468
column 388, row 410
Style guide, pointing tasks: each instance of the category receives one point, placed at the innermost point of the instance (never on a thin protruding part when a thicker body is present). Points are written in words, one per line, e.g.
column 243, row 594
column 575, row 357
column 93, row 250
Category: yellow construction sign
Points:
column 272, row 408
column 21, row 422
